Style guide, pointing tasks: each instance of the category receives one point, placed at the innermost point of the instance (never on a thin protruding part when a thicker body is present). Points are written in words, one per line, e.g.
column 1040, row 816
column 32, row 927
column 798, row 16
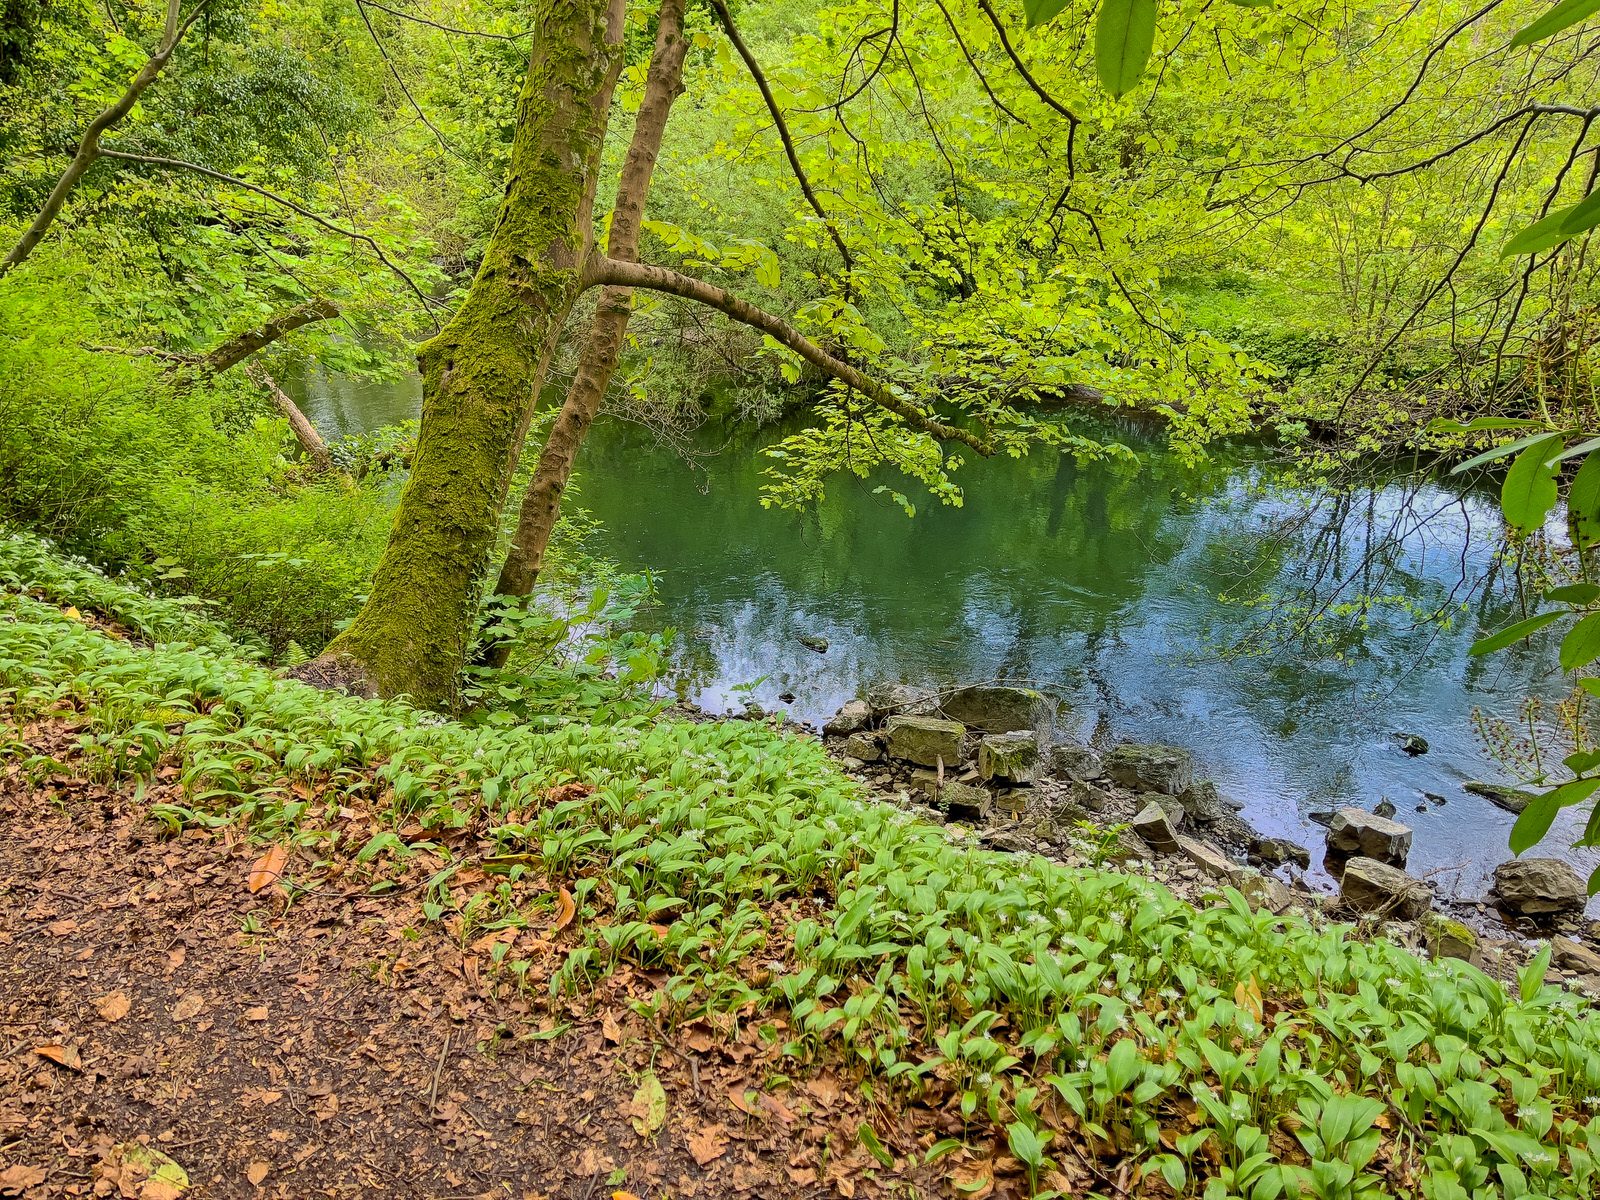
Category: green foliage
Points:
column 1025, row 990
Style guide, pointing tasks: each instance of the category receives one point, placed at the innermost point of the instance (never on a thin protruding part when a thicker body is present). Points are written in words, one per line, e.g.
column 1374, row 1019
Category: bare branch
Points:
column 1073, row 120
column 608, row 271
column 361, row 7
column 405, row 16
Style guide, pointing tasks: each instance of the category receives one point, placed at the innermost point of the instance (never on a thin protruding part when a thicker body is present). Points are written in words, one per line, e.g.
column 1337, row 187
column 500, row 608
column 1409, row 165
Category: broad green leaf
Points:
column 1540, row 236
column 1124, row 34
column 1564, row 14
column 1594, row 882
column 1574, row 593
column 1588, row 446
column 1583, row 501
column 1582, row 216
column 1513, row 633
column 869, row 1138
column 1477, row 424
column 1531, row 979
column 1534, row 821
column 1040, row 11
column 1581, row 646
column 1529, row 491
column 1510, row 448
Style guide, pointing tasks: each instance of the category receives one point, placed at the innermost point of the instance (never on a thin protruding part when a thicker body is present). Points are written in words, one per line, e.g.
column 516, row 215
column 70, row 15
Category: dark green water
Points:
column 1103, row 585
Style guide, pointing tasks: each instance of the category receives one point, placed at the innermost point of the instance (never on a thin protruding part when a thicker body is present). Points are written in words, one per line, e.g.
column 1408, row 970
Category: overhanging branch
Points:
column 608, row 271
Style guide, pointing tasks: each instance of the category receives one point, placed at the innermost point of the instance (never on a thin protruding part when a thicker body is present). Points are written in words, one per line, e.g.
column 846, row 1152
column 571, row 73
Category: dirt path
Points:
column 346, row 1047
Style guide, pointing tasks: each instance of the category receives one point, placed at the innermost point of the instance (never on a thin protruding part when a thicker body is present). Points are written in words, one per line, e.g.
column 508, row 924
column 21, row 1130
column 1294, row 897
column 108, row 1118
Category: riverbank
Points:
column 1003, row 1025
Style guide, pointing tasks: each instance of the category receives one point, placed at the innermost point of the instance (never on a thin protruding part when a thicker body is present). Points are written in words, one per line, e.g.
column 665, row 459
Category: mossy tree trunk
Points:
column 542, row 503
column 482, row 372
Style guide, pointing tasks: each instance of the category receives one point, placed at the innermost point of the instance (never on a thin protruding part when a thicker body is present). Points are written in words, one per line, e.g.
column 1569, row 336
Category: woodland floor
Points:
column 344, row 1046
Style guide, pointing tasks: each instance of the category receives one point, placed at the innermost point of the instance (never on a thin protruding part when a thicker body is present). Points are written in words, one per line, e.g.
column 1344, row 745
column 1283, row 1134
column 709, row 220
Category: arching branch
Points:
column 1073, row 120
column 477, row 33
column 178, row 164
column 89, row 149
column 784, row 135
column 237, row 349
column 609, row 271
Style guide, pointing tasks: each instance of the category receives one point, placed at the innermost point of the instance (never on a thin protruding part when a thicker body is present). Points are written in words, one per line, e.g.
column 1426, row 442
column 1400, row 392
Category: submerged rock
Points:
column 996, row 708
column 1355, row 831
column 886, row 699
column 1534, row 887
column 1412, row 743
column 1009, row 757
column 1370, row 886
column 852, row 717
column 812, row 642
column 926, row 741
column 1151, row 768
column 1508, row 798
column 1384, row 808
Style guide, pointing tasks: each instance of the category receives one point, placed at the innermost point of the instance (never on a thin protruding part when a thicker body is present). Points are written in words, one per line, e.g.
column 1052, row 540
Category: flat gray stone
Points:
column 1151, row 768
column 863, row 746
column 926, row 741
column 1355, row 831
column 1210, row 860
column 1153, row 825
column 1075, row 763
column 1536, row 887
column 1370, row 886
column 1009, row 758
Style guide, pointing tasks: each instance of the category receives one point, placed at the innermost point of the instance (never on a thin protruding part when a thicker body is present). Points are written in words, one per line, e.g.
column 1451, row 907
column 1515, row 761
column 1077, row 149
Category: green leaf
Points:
column 1582, row 216
column 1512, row 633
column 1540, row 236
column 1477, row 460
column 1529, row 491
column 1578, row 450
column 1531, row 978
column 1124, row 34
column 1594, row 882
column 1574, row 593
column 1564, row 14
column 1533, row 823
column 869, row 1138
column 1583, row 501
column 1040, row 11
column 1581, row 646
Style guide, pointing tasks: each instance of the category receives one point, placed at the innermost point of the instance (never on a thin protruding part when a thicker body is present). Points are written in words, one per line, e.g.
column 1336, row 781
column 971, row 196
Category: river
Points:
column 1154, row 601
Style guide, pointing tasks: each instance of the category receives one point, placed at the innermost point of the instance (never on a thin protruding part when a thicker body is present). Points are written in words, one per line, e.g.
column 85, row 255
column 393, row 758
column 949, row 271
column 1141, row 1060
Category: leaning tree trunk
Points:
column 542, row 503
column 482, row 372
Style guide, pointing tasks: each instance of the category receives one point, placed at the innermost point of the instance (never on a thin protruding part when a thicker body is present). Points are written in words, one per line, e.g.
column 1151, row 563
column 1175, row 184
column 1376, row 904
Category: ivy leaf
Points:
column 1529, row 491
column 1124, row 34
column 1040, row 11
column 1512, row 633
column 1564, row 14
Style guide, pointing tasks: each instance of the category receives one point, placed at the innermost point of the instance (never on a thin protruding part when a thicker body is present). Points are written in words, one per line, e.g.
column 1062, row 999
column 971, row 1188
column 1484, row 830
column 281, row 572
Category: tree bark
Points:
column 610, row 272
column 483, row 371
column 236, row 349
column 542, row 503
column 304, row 431
column 88, row 151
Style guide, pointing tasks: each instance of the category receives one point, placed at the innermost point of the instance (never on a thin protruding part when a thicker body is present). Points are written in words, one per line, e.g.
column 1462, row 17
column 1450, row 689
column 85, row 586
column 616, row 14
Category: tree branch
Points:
column 608, row 271
column 304, row 431
column 237, row 349
column 1073, row 120
column 178, row 164
column 405, row 16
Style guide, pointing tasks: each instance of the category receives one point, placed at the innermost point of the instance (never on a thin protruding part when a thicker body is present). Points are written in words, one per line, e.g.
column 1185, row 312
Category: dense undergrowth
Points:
column 1225, row 1052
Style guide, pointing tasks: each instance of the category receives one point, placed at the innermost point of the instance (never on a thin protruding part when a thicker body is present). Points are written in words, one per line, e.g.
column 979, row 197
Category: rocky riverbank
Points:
column 987, row 758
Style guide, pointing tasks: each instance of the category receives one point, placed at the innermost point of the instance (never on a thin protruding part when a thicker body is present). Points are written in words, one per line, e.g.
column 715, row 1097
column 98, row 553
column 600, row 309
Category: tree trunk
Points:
column 304, row 431
column 483, row 370
column 542, row 503
column 236, row 349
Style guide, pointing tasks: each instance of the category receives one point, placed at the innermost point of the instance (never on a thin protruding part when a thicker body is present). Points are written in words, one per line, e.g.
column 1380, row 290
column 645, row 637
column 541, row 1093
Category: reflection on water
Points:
column 1104, row 585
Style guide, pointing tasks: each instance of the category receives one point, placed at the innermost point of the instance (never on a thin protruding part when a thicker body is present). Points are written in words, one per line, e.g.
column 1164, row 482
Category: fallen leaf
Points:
column 825, row 1088
column 623, row 1196
column 164, row 1178
column 64, row 1056
column 61, row 928
column 16, row 1179
column 257, row 1171
column 258, row 1013
column 72, row 613
column 566, row 909
column 114, row 1007
column 745, row 1100
column 610, row 1028
column 649, row 1105
column 188, row 1006
column 709, row 1144
column 268, row 869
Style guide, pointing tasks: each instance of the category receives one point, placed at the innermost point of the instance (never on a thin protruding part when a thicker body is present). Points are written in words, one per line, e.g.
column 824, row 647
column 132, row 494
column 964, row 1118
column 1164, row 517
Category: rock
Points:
column 850, row 763
column 1155, row 827
column 926, row 741
column 1574, row 956
column 1205, row 805
column 863, row 746
column 1263, row 891
column 1539, row 886
column 1088, row 797
column 996, row 708
column 812, row 642
column 1434, row 798
column 1447, row 938
column 886, row 699
column 786, row 697
column 1508, row 798
column 1384, row 808
column 1075, row 762
column 1322, row 816
column 1008, row 840
column 1210, row 860
column 1412, row 743
column 1151, row 768
column 1171, row 805
column 1357, row 832
column 852, row 717
column 1371, row 886
column 963, row 802
column 1275, row 852
column 1008, row 757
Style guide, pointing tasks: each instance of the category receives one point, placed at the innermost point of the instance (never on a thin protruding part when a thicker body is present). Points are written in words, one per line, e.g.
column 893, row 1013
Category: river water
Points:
column 1162, row 603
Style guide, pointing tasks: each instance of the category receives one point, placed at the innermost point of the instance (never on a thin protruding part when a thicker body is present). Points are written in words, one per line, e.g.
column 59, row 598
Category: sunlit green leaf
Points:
column 1561, row 16
column 1513, row 633
column 1124, row 34
column 1529, row 491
